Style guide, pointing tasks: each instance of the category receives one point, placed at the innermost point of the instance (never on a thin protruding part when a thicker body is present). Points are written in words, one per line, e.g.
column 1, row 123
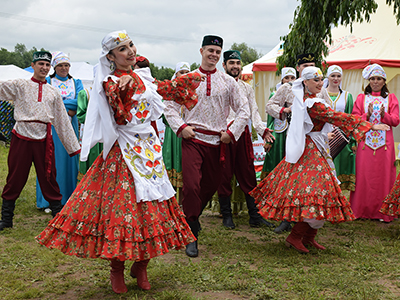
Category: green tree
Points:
column 20, row 57
column 313, row 22
column 247, row 53
column 194, row 66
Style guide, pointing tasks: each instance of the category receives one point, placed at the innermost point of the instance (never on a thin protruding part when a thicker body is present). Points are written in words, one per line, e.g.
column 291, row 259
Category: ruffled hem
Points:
column 102, row 219
column 126, row 240
column 306, row 189
column 391, row 204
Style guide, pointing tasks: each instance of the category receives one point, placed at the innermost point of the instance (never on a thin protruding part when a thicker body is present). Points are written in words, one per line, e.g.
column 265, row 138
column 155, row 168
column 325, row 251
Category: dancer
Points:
column 240, row 156
column 37, row 106
column 205, row 133
column 303, row 188
column 67, row 167
column 172, row 146
column 345, row 161
column 83, row 102
column 124, row 207
column 279, row 108
column 375, row 169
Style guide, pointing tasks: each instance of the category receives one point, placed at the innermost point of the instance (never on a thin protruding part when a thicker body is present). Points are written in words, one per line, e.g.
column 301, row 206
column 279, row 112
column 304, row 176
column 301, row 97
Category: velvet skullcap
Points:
column 41, row 55
column 305, row 58
column 212, row 40
column 232, row 54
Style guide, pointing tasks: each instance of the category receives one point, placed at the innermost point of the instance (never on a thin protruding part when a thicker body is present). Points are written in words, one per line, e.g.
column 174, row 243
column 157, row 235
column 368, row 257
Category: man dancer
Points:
column 240, row 156
column 205, row 134
column 37, row 106
column 279, row 106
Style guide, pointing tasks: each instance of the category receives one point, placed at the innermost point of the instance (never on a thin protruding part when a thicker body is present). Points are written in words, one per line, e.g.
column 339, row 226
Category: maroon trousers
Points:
column 201, row 175
column 239, row 163
column 20, row 157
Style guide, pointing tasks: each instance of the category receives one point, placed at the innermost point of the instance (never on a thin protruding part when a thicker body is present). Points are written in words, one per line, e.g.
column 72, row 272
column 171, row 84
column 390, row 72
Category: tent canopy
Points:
column 10, row 72
column 373, row 42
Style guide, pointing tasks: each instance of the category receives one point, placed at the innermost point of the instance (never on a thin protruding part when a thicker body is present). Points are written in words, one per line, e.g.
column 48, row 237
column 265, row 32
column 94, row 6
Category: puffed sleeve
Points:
column 182, row 89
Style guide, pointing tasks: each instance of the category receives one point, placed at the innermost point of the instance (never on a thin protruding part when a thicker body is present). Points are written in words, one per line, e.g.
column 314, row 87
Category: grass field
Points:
column 361, row 262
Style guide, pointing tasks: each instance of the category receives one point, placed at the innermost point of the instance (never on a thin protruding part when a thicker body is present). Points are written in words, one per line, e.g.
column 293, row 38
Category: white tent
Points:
column 82, row 71
column 373, row 42
column 9, row 72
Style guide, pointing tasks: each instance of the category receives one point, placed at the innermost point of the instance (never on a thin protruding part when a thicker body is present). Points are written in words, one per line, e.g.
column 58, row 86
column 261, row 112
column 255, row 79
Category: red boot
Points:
column 139, row 271
column 308, row 239
column 117, row 277
column 296, row 235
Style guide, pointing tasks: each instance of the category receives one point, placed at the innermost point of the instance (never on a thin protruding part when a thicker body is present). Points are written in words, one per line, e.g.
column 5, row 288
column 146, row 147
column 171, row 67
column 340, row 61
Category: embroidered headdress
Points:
column 332, row 69
column 288, row 71
column 311, row 72
column 59, row 58
column 179, row 67
column 373, row 70
column 99, row 124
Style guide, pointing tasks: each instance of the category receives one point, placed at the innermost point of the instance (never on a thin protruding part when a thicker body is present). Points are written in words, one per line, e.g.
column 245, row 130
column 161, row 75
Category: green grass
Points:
column 361, row 262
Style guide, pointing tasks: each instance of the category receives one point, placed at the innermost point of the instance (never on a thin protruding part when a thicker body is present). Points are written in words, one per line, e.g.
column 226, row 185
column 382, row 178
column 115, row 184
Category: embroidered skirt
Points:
column 306, row 189
column 391, row 204
column 103, row 220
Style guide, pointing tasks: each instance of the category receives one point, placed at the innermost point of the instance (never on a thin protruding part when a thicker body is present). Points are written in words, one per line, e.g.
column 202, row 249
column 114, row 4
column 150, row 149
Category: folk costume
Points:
column 303, row 188
column 83, row 101
column 172, row 146
column 203, row 157
column 37, row 106
column 124, row 207
column 240, row 158
column 66, row 166
column 375, row 169
column 345, row 161
column 278, row 122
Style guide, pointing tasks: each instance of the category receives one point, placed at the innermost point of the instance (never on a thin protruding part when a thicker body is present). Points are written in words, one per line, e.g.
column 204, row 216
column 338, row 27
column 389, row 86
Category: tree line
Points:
column 22, row 57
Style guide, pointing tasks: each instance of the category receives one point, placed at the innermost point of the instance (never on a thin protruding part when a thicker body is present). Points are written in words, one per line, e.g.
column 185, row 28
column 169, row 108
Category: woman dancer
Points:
column 67, row 167
column 345, row 161
column 375, row 169
column 124, row 207
column 302, row 188
column 172, row 147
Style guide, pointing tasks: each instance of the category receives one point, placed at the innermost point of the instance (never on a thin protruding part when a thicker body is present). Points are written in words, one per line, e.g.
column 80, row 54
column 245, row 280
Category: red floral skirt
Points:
column 306, row 189
column 103, row 220
column 391, row 204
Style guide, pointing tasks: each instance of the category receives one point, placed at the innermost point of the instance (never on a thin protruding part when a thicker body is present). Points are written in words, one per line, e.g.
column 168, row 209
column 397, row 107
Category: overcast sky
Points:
column 165, row 31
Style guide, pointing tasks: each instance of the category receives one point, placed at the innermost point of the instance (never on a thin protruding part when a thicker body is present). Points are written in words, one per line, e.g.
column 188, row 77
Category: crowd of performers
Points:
column 123, row 207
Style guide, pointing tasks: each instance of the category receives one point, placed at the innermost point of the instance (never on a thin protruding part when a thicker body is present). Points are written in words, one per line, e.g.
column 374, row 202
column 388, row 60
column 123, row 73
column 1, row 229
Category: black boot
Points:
column 255, row 218
column 226, row 211
column 284, row 226
column 55, row 207
column 7, row 214
column 191, row 249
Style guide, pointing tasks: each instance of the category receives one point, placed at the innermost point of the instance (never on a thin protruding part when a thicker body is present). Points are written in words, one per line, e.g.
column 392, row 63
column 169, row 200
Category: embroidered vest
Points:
column 339, row 104
column 66, row 88
column 375, row 138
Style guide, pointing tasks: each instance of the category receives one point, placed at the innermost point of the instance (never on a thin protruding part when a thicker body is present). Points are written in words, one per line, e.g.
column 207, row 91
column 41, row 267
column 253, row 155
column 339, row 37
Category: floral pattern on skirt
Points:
column 103, row 220
column 391, row 204
column 306, row 189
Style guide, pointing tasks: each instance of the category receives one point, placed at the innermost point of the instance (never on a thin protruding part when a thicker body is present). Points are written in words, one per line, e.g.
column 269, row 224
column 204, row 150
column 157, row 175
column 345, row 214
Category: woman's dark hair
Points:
column 384, row 90
column 54, row 74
